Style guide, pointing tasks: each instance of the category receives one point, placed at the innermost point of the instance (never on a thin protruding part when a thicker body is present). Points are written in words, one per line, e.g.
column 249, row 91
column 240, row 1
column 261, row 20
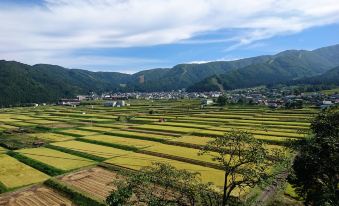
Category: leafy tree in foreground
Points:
column 245, row 161
column 162, row 184
column 316, row 168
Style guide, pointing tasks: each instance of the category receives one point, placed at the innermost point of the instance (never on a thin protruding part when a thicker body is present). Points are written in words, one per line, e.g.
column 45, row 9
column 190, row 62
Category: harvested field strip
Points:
column 16, row 174
column 37, row 196
column 92, row 149
column 56, row 158
column 137, row 160
column 95, row 181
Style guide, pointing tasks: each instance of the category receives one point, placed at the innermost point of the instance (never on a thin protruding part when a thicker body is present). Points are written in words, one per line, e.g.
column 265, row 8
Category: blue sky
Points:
column 128, row 36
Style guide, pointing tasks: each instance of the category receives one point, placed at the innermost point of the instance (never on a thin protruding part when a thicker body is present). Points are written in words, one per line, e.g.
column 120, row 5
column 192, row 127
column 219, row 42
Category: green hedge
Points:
column 77, row 153
column 77, row 197
column 50, row 170
column 3, row 188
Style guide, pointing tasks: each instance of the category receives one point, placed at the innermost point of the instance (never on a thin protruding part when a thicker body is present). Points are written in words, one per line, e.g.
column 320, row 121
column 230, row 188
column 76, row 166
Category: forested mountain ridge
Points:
column 282, row 67
column 22, row 83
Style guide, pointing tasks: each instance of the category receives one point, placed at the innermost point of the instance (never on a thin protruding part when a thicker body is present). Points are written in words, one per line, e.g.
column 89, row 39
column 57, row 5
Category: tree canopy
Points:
column 316, row 168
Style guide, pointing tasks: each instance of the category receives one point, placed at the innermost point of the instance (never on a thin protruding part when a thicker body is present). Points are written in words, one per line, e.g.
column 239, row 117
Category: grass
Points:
column 15, row 174
column 289, row 191
column 56, row 158
column 17, row 141
column 92, row 149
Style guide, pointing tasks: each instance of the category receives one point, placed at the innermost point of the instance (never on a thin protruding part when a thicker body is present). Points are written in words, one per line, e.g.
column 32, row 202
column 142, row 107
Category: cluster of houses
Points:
column 273, row 98
column 119, row 103
column 180, row 94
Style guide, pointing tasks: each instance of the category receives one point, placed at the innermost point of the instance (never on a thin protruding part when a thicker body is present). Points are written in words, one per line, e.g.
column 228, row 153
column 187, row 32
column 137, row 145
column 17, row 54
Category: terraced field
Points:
column 56, row 158
column 69, row 139
column 15, row 174
column 52, row 137
column 92, row 149
column 37, row 196
column 137, row 160
column 95, row 181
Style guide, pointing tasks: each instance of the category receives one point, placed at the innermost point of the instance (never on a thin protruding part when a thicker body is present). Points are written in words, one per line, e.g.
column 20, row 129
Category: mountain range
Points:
column 22, row 83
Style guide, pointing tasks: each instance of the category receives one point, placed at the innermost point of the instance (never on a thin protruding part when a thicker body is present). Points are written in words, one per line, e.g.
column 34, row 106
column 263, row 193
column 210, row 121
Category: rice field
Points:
column 15, row 174
column 77, row 132
column 172, row 134
column 37, row 196
column 137, row 160
column 95, row 181
column 57, row 159
column 52, row 136
column 93, row 149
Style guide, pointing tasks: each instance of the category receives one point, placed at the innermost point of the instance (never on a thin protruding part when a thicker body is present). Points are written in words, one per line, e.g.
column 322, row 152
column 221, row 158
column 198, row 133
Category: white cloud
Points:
column 49, row 32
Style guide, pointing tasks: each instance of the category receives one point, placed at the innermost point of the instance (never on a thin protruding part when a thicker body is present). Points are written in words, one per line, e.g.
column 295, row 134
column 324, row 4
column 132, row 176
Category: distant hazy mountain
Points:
column 21, row 83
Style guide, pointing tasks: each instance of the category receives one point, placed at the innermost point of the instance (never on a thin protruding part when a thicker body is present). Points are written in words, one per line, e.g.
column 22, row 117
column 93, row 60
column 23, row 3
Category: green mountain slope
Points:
column 329, row 77
column 282, row 67
column 21, row 83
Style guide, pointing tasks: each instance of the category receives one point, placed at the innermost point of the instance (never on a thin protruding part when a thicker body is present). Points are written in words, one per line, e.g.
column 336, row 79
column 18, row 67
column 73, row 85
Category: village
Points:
column 272, row 98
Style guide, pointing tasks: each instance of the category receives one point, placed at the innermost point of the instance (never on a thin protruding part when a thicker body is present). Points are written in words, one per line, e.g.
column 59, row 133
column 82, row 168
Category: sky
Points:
column 132, row 35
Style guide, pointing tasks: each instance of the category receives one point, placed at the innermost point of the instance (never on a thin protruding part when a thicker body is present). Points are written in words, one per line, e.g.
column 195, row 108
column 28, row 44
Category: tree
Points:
column 222, row 100
column 316, row 168
column 244, row 160
column 162, row 184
